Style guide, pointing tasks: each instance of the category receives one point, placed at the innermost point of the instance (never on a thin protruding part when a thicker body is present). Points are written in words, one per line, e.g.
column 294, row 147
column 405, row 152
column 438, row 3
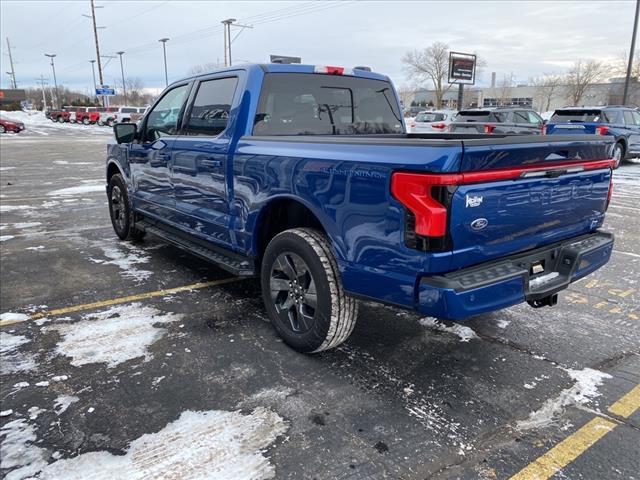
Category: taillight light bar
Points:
column 489, row 128
column 602, row 130
column 439, row 126
column 415, row 190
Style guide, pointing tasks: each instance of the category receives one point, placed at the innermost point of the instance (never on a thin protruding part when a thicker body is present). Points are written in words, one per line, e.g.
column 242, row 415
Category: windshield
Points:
column 430, row 117
column 575, row 116
column 312, row 104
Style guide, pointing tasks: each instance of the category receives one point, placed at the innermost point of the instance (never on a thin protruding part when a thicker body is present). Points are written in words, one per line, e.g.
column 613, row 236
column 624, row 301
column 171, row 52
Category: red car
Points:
column 87, row 115
column 62, row 115
column 8, row 125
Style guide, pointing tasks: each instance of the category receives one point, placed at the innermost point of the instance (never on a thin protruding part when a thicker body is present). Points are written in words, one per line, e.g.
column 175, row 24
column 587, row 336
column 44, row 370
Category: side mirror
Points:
column 125, row 132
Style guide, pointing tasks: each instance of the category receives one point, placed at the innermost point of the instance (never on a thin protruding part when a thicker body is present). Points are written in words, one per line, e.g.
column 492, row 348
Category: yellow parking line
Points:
column 127, row 299
column 627, row 404
column 576, row 444
column 566, row 451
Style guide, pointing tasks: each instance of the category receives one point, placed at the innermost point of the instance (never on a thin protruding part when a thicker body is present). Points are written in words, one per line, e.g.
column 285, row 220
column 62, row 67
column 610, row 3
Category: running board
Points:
column 229, row 261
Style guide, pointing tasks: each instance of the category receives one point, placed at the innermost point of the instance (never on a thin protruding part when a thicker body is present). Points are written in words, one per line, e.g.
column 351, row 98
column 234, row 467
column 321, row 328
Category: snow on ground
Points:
column 37, row 125
column 464, row 333
column 126, row 257
column 18, row 450
column 213, row 445
column 11, row 360
column 79, row 190
column 582, row 392
column 113, row 336
column 63, row 402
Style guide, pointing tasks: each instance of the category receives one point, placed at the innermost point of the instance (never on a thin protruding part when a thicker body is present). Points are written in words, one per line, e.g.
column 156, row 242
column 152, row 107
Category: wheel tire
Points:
column 85, row 121
column 120, row 210
column 110, row 122
column 2, row 129
column 60, row 119
column 302, row 327
column 53, row 119
column 618, row 154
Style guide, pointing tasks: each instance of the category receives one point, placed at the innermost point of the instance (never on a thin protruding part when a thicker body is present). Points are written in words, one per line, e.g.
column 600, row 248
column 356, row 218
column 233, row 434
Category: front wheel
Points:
column 2, row 129
column 85, row 121
column 60, row 119
column 302, row 291
column 120, row 210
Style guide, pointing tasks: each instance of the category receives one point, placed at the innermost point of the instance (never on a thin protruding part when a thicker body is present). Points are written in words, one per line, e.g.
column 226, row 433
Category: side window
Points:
column 521, row 117
column 163, row 119
column 636, row 117
column 629, row 118
column 534, row 118
column 210, row 112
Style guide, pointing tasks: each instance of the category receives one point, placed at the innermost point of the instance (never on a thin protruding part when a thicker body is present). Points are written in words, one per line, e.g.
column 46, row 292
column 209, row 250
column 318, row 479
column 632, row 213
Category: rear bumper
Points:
column 511, row 280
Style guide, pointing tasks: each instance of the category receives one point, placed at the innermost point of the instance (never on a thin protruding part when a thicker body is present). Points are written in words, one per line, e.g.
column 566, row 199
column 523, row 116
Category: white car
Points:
column 435, row 121
column 110, row 116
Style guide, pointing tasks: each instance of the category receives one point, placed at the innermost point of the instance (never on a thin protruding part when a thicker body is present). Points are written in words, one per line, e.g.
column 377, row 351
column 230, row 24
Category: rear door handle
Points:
column 211, row 162
column 163, row 156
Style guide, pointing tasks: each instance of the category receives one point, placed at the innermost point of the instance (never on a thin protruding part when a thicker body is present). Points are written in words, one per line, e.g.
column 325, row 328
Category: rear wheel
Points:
column 60, row 119
column 618, row 154
column 85, row 121
column 120, row 210
column 302, row 291
column 110, row 122
column 2, row 129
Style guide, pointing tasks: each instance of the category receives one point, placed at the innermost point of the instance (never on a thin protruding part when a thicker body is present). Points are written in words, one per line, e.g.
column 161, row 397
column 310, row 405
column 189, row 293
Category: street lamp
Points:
column 164, row 51
column 227, row 40
column 124, row 88
column 53, row 67
column 93, row 71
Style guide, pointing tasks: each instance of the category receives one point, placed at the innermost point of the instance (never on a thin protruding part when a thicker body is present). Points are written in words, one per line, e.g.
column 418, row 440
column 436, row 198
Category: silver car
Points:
column 435, row 121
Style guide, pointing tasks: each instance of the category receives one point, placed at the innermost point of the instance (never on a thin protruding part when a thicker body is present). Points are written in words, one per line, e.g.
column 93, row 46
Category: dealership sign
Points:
column 105, row 90
column 462, row 68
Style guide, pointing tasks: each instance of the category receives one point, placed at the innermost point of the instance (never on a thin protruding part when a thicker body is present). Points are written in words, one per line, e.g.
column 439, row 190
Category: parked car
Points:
column 412, row 111
column 503, row 120
column 122, row 115
column 61, row 115
column 436, row 121
column 10, row 125
column 620, row 122
column 85, row 115
column 47, row 113
column 305, row 177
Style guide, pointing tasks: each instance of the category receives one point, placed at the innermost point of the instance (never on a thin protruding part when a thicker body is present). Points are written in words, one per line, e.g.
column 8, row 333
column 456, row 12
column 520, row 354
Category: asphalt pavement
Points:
column 143, row 359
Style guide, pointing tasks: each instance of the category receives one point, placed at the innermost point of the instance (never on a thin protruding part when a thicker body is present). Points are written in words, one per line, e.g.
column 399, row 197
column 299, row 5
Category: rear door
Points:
column 520, row 193
column 201, row 162
column 575, row 121
column 150, row 158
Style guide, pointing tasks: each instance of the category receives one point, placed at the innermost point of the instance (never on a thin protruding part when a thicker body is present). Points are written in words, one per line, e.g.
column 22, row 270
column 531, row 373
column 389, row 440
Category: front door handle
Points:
column 163, row 157
column 211, row 162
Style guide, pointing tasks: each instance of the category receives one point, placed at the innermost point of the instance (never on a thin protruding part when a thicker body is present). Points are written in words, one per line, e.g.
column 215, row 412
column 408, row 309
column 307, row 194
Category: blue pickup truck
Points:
column 305, row 176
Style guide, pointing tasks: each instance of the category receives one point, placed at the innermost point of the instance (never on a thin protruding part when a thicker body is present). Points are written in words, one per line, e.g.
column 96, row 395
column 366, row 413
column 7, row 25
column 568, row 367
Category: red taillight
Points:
column 610, row 194
column 414, row 191
column 439, row 126
column 489, row 128
column 602, row 130
column 333, row 70
column 543, row 129
column 412, row 125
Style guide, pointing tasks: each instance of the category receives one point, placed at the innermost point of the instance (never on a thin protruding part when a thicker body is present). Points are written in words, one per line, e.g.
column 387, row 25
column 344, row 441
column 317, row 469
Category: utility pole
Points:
column 124, row 87
column 13, row 72
column 631, row 53
column 228, row 23
column 93, row 71
column 95, row 34
column 55, row 81
column 44, row 98
column 164, row 51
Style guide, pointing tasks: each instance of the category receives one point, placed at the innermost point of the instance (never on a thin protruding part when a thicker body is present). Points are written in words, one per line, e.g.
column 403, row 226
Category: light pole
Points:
column 124, row 88
column 93, row 71
column 53, row 68
column 633, row 47
column 227, row 40
column 164, row 51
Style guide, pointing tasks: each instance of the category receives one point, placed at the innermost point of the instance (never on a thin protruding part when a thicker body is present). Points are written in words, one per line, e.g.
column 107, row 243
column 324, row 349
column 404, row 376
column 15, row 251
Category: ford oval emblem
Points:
column 479, row 223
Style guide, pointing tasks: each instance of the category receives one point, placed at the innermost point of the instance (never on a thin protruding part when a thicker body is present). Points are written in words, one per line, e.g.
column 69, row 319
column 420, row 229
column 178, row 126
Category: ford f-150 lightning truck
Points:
column 305, row 176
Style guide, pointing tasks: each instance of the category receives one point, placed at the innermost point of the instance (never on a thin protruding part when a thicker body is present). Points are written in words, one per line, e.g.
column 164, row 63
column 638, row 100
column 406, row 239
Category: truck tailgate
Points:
column 518, row 196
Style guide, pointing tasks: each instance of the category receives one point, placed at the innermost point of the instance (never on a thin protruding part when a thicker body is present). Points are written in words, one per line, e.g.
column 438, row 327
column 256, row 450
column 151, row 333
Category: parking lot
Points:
column 140, row 358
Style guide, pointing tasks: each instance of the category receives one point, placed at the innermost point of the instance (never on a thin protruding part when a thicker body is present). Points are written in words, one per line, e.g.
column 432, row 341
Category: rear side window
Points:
column 210, row 112
column 576, row 116
column 316, row 104
column 631, row 118
column 477, row 116
column 128, row 110
column 521, row 117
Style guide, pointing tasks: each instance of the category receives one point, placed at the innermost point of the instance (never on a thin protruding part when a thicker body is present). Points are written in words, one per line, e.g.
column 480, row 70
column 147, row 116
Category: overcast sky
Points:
column 527, row 38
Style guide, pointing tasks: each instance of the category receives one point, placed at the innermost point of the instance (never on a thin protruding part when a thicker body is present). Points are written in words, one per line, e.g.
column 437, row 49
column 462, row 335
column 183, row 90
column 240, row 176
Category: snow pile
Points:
column 583, row 390
column 18, row 450
column 11, row 360
column 62, row 403
column 113, row 336
column 213, row 445
column 79, row 190
column 464, row 333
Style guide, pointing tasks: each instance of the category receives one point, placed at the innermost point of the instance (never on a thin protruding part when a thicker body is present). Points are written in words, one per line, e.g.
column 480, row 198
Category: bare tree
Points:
column 582, row 75
column 547, row 88
column 406, row 94
column 430, row 64
column 505, row 85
